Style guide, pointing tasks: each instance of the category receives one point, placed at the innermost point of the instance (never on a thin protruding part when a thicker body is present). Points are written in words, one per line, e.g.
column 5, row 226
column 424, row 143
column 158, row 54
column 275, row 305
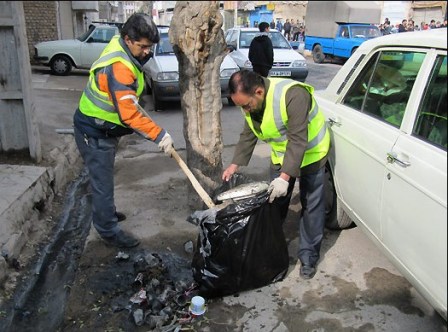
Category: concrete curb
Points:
column 38, row 188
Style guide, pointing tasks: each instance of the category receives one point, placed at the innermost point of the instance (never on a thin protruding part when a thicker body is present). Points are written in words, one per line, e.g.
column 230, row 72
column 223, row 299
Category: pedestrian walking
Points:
column 287, row 29
column 283, row 113
column 103, row 115
column 279, row 25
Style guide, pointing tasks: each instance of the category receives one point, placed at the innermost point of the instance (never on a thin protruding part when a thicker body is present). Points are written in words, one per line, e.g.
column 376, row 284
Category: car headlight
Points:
column 168, row 76
column 228, row 72
column 298, row 63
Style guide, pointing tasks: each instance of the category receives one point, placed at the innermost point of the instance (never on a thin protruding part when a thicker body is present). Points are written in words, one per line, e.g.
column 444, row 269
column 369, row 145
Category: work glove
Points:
column 166, row 144
column 278, row 188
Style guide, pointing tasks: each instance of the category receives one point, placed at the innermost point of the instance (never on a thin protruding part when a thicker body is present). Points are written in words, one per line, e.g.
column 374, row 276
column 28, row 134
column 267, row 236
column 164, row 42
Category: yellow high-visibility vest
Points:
column 274, row 125
column 95, row 102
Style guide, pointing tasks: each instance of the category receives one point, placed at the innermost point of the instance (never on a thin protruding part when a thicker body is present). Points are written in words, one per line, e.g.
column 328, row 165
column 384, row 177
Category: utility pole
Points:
column 235, row 13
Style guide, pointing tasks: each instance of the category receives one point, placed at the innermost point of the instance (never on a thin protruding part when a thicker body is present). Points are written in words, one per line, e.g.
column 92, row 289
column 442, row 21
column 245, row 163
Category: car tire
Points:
column 354, row 50
column 61, row 65
column 335, row 217
column 318, row 54
column 157, row 104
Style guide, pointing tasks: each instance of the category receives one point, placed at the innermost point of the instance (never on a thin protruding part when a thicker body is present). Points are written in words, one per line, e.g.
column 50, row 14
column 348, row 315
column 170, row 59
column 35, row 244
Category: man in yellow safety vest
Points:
column 108, row 110
column 284, row 114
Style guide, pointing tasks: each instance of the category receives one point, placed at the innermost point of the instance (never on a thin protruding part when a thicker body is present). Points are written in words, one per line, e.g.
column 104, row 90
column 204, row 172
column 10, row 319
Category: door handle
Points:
column 393, row 158
column 334, row 121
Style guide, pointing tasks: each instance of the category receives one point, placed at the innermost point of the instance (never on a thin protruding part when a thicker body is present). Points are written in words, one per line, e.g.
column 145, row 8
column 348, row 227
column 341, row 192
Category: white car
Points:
column 287, row 62
column 387, row 113
column 62, row 55
column 162, row 72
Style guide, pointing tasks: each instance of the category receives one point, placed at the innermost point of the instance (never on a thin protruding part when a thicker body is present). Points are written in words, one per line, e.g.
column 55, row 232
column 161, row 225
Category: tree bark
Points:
column 198, row 41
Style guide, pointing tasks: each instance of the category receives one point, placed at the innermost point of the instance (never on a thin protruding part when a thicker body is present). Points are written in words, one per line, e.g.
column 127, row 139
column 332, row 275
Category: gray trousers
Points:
column 312, row 216
column 99, row 157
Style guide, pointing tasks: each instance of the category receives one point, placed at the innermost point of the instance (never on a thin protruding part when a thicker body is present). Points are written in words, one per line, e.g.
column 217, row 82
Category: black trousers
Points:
column 262, row 70
column 312, row 216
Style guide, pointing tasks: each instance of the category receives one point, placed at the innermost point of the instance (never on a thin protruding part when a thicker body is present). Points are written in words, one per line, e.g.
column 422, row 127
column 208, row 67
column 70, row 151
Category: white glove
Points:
column 166, row 144
column 278, row 188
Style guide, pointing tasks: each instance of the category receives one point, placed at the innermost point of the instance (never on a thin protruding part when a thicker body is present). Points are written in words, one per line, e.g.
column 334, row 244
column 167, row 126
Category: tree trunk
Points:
column 198, row 41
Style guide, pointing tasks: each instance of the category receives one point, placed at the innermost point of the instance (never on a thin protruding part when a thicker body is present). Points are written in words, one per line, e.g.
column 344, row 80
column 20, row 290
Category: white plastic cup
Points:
column 197, row 306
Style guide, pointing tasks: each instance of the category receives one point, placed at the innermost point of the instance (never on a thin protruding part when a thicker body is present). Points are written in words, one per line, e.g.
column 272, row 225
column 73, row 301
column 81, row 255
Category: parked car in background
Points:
column 162, row 72
column 287, row 62
column 387, row 113
column 64, row 55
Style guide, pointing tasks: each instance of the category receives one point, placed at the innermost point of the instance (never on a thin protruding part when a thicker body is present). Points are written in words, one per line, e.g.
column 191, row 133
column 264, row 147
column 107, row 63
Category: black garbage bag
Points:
column 240, row 247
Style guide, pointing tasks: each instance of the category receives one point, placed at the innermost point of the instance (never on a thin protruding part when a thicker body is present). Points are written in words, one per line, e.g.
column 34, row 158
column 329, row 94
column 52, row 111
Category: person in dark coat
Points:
column 261, row 51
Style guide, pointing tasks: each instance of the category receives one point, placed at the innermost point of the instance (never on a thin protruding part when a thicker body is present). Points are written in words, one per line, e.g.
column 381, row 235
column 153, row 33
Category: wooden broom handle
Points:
column 196, row 185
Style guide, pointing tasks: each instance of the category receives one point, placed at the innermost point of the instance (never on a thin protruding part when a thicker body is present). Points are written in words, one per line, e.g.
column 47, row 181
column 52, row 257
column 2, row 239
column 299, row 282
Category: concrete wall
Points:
column 296, row 10
column 66, row 30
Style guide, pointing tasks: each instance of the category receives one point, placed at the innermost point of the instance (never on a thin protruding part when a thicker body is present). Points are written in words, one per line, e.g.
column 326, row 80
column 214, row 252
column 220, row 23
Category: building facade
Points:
column 52, row 20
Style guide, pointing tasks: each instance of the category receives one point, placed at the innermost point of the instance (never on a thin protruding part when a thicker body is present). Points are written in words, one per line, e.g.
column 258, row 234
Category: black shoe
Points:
column 121, row 240
column 307, row 271
column 120, row 216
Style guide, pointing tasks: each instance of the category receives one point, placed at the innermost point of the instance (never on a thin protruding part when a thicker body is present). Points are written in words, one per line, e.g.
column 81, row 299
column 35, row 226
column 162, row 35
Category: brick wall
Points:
column 41, row 22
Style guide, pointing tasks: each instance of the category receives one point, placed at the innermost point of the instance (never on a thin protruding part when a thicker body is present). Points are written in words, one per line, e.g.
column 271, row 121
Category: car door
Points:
column 94, row 45
column 414, row 200
column 343, row 42
column 365, row 126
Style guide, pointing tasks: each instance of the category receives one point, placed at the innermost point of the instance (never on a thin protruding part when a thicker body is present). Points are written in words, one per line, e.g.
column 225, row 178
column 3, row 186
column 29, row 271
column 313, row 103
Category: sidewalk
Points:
column 29, row 190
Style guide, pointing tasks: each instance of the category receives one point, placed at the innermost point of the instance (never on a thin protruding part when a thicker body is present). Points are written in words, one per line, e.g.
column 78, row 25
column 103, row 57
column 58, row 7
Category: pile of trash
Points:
column 159, row 302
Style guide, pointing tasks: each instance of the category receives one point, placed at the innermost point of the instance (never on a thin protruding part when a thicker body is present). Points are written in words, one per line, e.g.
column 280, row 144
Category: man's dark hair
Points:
column 263, row 26
column 140, row 26
column 245, row 81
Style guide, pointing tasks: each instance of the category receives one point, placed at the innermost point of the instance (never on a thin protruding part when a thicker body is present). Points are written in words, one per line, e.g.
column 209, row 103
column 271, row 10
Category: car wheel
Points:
column 335, row 217
column 354, row 50
column 61, row 65
column 230, row 101
column 157, row 104
column 318, row 54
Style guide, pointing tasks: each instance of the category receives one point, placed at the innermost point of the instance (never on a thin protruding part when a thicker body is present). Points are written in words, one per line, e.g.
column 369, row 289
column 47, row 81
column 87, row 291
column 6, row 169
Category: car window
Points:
column 344, row 32
column 431, row 124
column 278, row 40
column 164, row 46
column 246, row 38
column 86, row 34
column 102, row 35
column 383, row 88
column 365, row 32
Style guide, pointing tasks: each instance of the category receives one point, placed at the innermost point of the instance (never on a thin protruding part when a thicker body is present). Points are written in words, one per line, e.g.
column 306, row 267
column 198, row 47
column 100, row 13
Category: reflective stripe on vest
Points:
column 97, row 103
column 274, row 125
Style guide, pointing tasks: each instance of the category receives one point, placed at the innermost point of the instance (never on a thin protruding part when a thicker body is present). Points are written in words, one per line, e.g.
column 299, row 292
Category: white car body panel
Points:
column 402, row 207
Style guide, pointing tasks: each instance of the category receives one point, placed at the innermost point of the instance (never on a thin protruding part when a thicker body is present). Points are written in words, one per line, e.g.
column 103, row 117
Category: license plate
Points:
column 280, row 73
